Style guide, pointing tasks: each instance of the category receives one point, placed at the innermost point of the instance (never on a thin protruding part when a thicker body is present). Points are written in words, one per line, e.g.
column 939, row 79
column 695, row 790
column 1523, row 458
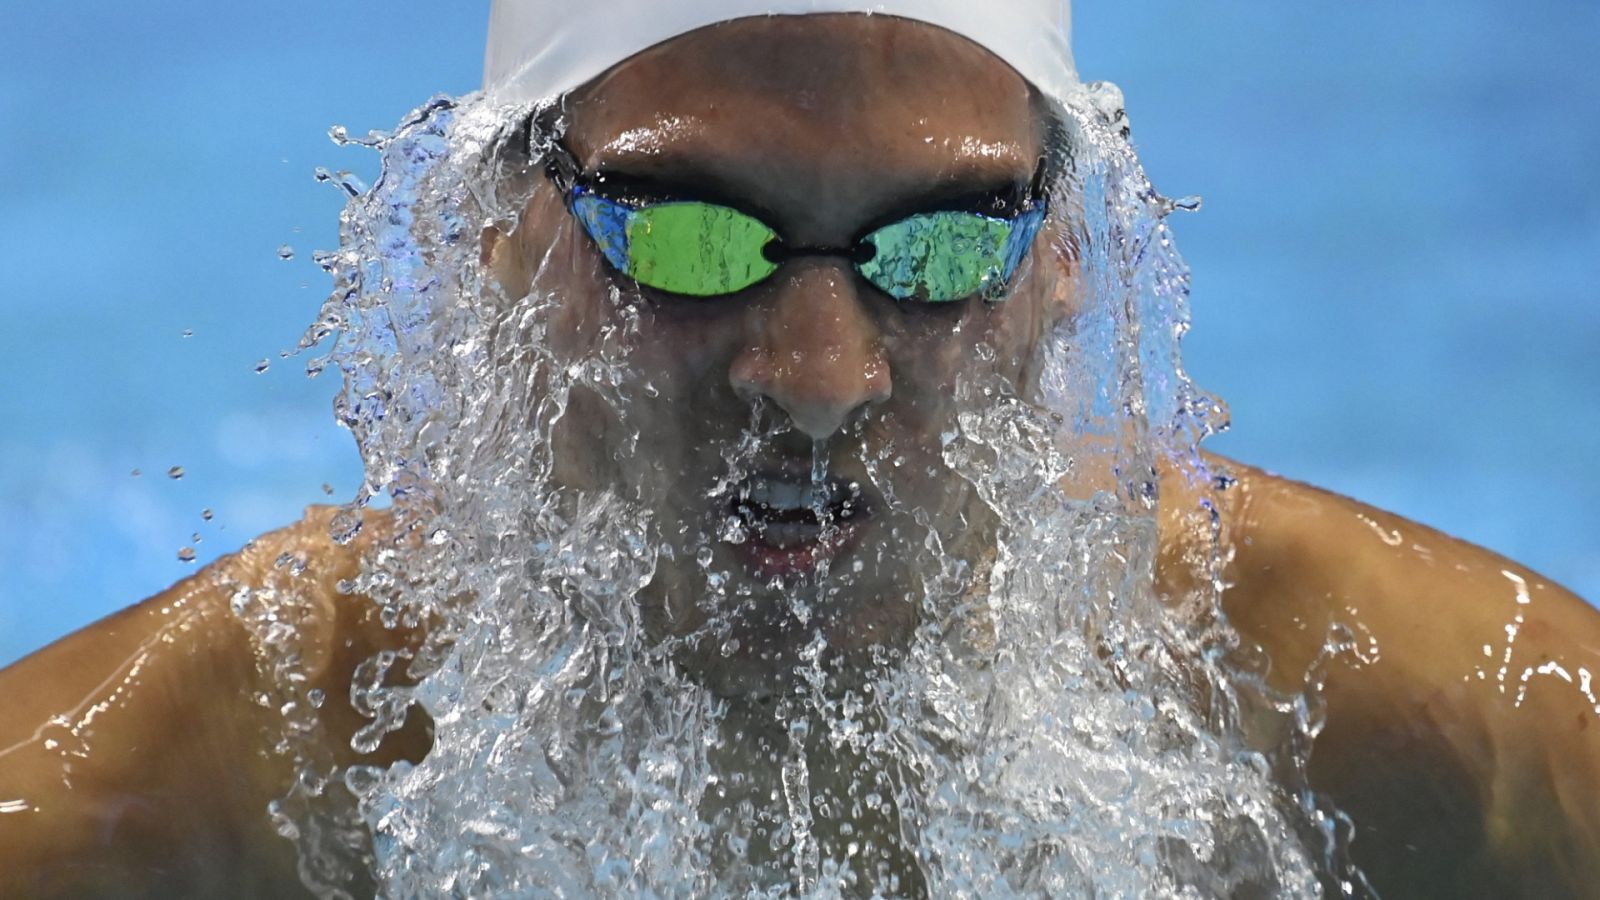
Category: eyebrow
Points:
column 976, row 185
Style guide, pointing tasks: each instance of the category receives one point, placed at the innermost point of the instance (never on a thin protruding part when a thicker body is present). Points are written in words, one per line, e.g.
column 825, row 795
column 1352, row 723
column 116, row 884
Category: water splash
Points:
column 618, row 712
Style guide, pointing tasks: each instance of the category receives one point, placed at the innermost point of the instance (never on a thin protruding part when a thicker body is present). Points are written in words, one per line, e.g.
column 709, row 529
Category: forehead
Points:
column 824, row 94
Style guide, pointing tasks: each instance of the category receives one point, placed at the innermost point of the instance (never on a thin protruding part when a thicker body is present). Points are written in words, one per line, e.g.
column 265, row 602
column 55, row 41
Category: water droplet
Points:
column 327, row 489
column 345, row 180
column 187, row 554
column 263, row 366
column 286, row 253
column 345, row 526
column 175, row 472
column 195, row 538
column 206, row 514
column 295, row 563
column 799, row 728
column 188, row 332
column 136, row 473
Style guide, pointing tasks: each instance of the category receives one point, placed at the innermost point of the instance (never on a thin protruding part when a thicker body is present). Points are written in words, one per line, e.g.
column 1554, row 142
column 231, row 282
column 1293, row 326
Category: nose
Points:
column 813, row 349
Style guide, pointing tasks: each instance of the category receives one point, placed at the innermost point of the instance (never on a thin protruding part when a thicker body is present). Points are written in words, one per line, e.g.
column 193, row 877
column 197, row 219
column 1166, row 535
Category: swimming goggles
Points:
column 699, row 249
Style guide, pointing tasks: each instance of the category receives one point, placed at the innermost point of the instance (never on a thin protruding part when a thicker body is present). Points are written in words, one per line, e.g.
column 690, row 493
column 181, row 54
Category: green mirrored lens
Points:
column 939, row 257
column 697, row 249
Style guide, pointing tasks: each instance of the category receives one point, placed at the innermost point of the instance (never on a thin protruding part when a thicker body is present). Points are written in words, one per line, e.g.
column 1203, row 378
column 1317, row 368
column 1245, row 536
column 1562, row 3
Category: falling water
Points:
column 617, row 711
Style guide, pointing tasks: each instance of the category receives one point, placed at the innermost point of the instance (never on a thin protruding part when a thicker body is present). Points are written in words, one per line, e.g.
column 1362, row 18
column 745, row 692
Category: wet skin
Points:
column 132, row 759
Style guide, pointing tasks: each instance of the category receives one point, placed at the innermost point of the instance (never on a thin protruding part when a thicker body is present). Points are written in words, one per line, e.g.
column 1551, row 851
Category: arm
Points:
column 1467, row 751
column 136, row 755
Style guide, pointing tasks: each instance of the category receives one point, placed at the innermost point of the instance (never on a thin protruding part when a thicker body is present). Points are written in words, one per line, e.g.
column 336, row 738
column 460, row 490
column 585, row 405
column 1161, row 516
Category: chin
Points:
column 786, row 637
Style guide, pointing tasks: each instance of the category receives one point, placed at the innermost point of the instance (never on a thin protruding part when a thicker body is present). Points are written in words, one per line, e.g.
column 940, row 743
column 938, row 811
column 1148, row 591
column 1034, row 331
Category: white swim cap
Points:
column 539, row 48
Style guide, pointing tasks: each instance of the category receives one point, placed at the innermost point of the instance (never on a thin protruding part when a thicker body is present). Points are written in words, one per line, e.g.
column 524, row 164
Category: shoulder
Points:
column 301, row 553
column 138, row 748
column 299, row 569
column 303, row 575
column 1460, row 688
column 1445, row 608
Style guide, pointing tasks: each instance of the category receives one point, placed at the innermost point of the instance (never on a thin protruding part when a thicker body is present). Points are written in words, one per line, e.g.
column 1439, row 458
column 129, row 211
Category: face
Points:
column 787, row 440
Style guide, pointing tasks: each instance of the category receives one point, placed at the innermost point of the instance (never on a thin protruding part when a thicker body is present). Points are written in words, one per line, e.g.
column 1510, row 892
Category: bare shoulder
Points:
column 301, row 558
column 1445, row 609
column 136, row 754
column 1462, row 723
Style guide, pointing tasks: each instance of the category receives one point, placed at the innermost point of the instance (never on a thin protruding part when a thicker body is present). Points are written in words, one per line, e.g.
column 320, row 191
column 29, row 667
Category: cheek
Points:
column 928, row 349
column 1045, row 297
column 930, row 352
column 687, row 346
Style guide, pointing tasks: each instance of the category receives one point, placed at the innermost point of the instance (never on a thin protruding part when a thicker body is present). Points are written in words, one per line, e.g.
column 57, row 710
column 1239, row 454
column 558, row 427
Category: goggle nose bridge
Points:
column 778, row 253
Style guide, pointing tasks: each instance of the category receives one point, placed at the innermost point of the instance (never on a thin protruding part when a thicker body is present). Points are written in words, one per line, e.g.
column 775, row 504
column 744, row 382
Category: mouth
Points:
column 795, row 525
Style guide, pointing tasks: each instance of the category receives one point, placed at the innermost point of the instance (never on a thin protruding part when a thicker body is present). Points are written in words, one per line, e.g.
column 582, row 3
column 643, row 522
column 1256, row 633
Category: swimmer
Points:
column 139, row 757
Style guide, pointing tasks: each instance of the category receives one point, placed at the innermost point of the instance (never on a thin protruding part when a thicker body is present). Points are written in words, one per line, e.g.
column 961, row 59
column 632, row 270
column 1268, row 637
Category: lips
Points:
column 792, row 524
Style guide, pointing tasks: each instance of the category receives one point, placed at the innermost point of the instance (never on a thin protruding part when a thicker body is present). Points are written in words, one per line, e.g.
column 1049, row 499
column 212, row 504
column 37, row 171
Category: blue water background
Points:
column 1395, row 272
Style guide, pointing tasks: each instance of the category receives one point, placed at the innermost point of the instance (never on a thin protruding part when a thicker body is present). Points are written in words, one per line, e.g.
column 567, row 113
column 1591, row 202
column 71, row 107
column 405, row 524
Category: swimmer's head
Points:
column 787, row 432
